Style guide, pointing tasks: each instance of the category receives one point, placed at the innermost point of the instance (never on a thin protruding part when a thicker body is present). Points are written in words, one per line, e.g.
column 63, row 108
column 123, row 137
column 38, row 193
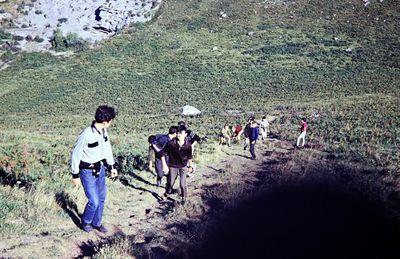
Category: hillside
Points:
column 230, row 59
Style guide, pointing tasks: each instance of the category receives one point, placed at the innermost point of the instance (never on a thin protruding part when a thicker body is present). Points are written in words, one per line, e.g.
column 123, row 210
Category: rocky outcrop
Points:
column 90, row 20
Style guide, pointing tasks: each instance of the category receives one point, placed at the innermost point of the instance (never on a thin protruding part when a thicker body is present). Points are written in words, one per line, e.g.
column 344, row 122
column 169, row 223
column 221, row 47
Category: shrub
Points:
column 71, row 41
column 38, row 39
column 62, row 20
column 4, row 35
column 57, row 42
column 7, row 56
column 28, row 38
column 18, row 38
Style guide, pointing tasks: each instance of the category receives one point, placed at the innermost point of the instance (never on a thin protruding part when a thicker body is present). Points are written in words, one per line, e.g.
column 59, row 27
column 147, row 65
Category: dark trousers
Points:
column 159, row 168
column 252, row 152
column 173, row 173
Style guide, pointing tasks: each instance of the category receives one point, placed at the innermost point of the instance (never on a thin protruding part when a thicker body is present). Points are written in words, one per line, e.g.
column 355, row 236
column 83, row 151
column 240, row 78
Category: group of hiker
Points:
column 250, row 132
column 169, row 154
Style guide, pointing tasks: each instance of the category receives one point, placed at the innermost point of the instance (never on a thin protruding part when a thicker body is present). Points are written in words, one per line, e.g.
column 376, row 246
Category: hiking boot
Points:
column 101, row 229
column 87, row 227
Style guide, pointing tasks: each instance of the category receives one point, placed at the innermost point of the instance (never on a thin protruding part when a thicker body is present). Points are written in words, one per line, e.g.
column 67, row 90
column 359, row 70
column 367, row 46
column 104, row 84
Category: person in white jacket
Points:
column 264, row 128
column 91, row 156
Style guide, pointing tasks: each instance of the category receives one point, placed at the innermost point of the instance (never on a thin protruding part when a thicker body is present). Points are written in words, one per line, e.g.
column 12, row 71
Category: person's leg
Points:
column 303, row 138
column 246, row 142
column 102, row 193
column 298, row 140
column 159, row 171
column 90, row 188
column 173, row 173
column 252, row 152
column 182, row 181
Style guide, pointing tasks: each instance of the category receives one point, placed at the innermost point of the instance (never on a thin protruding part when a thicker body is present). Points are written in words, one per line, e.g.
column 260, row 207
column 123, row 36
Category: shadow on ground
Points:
column 69, row 206
column 304, row 221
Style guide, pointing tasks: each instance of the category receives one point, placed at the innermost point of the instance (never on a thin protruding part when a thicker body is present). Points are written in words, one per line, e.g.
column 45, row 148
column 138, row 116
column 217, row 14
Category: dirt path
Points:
column 136, row 211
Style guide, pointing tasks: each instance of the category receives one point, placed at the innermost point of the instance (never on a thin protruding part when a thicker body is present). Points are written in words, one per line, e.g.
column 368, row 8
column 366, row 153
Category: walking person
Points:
column 264, row 126
column 91, row 155
column 253, row 137
column 303, row 130
column 237, row 131
column 179, row 151
column 157, row 144
column 246, row 132
column 225, row 135
column 192, row 137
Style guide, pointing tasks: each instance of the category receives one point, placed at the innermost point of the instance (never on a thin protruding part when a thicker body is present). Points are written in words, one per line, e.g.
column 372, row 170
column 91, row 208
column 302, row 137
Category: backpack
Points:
column 160, row 142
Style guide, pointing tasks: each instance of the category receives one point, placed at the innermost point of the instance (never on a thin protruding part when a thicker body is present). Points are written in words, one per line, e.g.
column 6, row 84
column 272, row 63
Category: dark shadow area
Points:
column 126, row 183
column 215, row 169
column 90, row 248
column 274, row 135
column 306, row 220
column 248, row 157
column 137, row 177
column 166, row 207
column 10, row 179
column 69, row 206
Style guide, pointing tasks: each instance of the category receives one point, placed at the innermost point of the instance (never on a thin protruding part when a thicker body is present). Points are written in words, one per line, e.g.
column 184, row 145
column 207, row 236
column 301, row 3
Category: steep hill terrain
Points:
column 336, row 63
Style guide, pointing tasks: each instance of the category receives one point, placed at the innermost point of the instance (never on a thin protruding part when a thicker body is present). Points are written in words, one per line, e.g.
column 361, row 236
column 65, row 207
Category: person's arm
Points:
column 151, row 158
column 110, row 158
column 164, row 165
column 163, row 153
column 76, row 157
column 190, row 159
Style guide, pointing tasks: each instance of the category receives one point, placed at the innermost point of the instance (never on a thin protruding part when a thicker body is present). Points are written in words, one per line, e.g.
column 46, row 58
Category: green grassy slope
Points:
column 292, row 59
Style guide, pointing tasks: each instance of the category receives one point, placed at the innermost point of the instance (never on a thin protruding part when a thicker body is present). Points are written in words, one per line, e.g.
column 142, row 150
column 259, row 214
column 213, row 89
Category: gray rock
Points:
column 188, row 110
column 90, row 20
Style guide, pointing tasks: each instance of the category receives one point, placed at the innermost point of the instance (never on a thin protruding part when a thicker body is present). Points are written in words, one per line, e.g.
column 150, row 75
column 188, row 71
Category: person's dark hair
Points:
column 151, row 139
column 181, row 123
column 182, row 128
column 264, row 117
column 304, row 119
column 173, row 130
column 105, row 113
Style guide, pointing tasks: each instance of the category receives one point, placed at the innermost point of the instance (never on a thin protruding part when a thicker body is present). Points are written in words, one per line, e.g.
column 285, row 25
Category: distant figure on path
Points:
column 237, row 132
column 179, row 151
column 225, row 135
column 91, row 155
column 253, row 136
column 264, row 126
column 246, row 132
column 158, row 143
column 303, row 130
